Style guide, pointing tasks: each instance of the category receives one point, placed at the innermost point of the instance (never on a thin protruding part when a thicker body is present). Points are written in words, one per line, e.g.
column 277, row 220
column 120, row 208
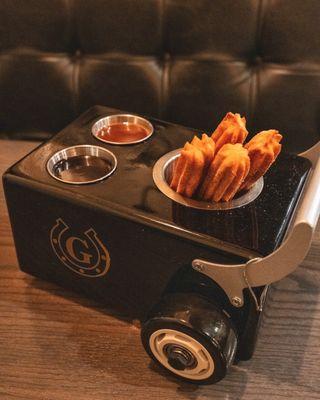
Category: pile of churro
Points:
column 216, row 168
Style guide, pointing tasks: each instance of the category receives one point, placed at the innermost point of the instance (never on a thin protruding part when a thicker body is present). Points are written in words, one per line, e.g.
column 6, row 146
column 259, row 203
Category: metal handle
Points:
column 309, row 209
column 280, row 263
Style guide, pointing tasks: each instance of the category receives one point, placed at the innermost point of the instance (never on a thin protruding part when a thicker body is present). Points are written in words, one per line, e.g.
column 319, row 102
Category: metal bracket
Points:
column 263, row 271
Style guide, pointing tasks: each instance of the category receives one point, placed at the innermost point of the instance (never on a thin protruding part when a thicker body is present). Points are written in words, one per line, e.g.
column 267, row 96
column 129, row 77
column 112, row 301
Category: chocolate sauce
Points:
column 82, row 169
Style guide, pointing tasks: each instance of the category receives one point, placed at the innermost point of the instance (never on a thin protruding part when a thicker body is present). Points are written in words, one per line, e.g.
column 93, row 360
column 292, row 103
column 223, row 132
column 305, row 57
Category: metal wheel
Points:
column 190, row 337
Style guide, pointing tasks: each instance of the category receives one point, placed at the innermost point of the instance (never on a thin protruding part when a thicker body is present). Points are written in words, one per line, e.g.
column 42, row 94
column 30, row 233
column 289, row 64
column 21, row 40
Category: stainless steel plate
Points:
column 82, row 164
column 126, row 119
column 162, row 173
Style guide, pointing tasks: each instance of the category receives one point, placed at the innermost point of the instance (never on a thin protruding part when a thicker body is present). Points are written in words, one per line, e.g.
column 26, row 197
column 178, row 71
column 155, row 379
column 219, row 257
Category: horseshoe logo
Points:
column 85, row 255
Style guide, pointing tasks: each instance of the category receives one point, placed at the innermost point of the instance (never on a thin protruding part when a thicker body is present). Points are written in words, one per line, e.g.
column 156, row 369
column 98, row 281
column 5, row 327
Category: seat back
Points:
column 185, row 61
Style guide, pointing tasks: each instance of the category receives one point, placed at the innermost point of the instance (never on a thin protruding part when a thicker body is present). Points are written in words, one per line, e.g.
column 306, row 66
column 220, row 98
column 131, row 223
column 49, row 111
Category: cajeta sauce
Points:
column 123, row 133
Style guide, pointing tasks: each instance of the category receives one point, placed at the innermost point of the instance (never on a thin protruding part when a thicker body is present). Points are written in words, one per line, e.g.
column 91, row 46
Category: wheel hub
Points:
column 179, row 357
column 181, row 354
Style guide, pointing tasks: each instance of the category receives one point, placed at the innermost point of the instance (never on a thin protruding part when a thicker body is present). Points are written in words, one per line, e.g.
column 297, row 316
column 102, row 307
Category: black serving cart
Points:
column 196, row 275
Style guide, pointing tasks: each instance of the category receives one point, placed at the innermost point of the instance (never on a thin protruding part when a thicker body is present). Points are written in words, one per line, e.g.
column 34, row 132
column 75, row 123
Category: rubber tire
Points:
column 197, row 317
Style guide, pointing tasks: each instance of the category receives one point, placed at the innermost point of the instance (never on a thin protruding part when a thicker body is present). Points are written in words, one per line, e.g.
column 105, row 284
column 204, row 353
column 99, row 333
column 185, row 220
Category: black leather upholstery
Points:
column 186, row 61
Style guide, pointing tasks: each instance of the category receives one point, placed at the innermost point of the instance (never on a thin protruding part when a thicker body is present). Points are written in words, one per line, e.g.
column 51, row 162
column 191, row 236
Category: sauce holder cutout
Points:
column 122, row 129
column 82, row 164
column 162, row 174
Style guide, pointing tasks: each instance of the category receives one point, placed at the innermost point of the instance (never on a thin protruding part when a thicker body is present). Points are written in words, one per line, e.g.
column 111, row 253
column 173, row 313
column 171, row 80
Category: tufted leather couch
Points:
column 186, row 61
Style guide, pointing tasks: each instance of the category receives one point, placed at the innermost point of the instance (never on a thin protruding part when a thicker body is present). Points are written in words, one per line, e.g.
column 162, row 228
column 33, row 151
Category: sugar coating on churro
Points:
column 263, row 149
column 232, row 129
column 188, row 170
column 226, row 173
column 216, row 168
column 206, row 145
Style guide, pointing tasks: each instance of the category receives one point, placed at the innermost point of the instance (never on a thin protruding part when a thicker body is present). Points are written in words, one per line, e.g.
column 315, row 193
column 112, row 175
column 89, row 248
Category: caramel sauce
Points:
column 122, row 133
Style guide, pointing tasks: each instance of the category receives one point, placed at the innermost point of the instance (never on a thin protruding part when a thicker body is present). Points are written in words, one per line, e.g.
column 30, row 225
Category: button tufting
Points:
column 188, row 62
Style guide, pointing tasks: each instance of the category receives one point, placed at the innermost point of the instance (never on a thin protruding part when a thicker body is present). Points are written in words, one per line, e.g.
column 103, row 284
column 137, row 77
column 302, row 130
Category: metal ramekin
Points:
column 162, row 173
column 82, row 150
column 122, row 119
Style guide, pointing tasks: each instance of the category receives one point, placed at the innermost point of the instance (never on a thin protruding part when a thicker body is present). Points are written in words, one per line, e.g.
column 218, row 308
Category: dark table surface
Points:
column 56, row 345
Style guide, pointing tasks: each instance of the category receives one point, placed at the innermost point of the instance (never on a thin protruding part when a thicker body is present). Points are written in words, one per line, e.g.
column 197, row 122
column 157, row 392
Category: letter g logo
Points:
column 86, row 255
